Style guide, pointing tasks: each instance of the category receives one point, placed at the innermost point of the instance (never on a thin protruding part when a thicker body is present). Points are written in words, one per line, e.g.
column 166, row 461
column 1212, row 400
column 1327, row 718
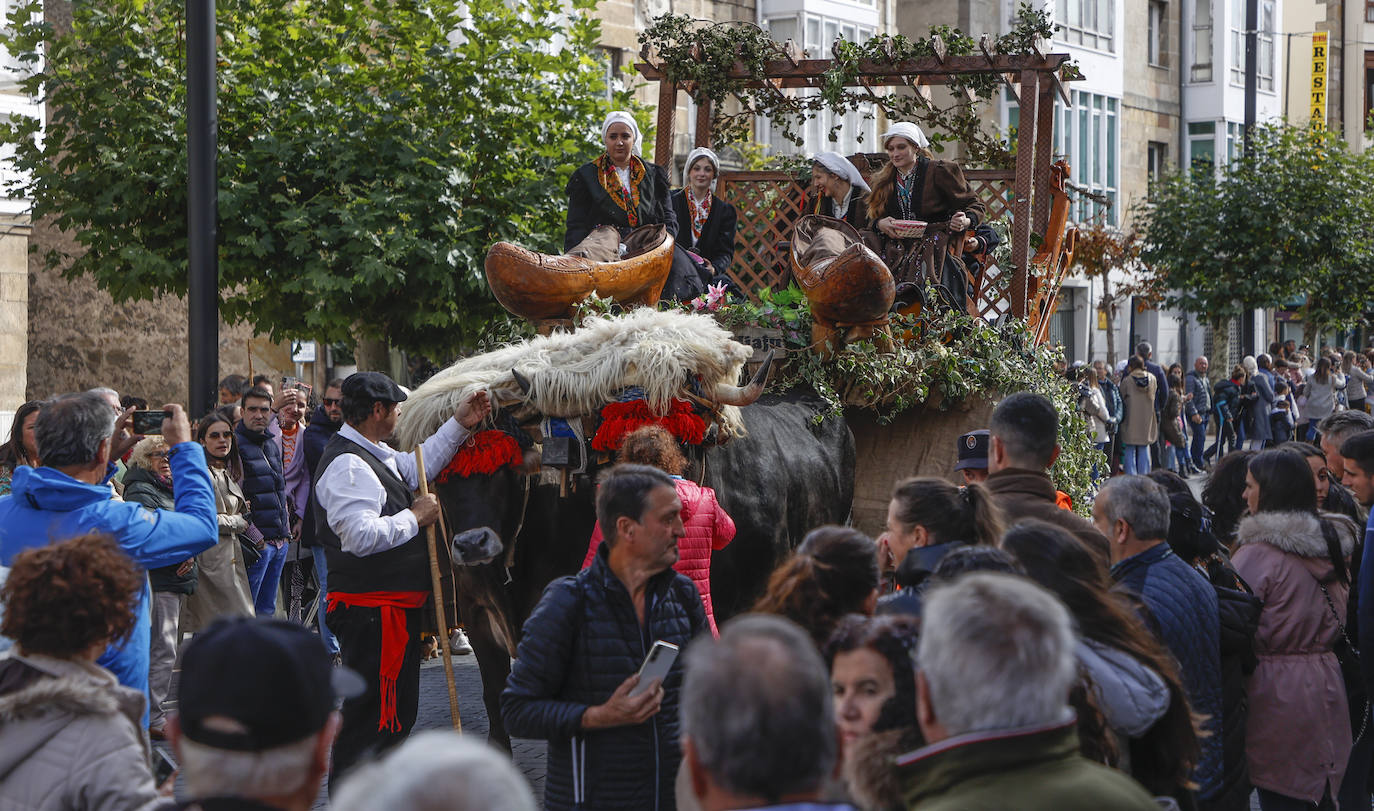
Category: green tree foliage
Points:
column 1292, row 218
column 369, row 153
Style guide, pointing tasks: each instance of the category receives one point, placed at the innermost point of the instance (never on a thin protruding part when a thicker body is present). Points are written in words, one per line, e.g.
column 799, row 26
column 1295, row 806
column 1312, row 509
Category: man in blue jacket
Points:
column 1133, row 512
column 574, row 680
column 264, row 484
column 67, row 497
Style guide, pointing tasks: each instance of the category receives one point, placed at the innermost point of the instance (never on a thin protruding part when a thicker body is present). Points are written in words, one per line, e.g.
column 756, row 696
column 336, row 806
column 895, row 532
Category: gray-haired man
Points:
column 996, row 662
column 1133, row 512
column 1335, row 430
column 757, row 718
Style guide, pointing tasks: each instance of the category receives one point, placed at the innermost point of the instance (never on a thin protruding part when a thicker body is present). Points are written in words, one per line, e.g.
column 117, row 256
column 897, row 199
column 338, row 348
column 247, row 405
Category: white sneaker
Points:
column 458, row 643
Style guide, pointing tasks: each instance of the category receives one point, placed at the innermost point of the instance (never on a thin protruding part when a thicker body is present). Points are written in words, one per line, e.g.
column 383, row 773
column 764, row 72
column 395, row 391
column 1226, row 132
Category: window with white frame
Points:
column 1087, row 23
column 1264, row 41
column 1202, row 144
column 1202, row 42
column 610, row 58
column 1235, row 141
column 1155, row 34
column 1087, row 135
column 858, row 129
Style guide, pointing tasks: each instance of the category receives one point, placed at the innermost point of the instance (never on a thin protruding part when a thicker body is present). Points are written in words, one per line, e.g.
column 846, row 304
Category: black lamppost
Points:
column 202, row 212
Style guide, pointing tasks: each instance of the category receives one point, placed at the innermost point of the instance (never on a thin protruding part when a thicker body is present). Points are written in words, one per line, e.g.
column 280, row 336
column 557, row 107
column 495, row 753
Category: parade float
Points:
column 910, row 378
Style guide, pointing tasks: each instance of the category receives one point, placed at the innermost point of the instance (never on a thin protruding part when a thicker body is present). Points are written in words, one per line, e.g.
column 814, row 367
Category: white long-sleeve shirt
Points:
column 353, row 497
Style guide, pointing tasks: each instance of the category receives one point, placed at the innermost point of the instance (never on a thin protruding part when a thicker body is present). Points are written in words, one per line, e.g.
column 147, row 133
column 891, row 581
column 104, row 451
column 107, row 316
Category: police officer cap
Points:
column 973, row 450
column 372, row 387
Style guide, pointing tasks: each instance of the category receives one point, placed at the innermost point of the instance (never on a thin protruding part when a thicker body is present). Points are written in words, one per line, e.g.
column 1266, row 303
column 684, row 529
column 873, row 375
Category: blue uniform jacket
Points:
column 47, row 505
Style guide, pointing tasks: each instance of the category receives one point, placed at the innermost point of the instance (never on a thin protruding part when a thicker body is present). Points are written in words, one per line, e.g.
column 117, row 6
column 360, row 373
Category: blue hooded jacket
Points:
column 46, row 506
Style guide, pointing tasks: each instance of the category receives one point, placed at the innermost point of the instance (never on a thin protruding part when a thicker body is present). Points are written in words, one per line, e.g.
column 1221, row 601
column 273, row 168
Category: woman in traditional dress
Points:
column 914, row 186
column 845, row 194
column 705, row 223
column 620, row 189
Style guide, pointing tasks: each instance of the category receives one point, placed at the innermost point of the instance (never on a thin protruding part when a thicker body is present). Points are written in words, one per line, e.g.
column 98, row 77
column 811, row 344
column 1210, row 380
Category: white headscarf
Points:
column 837, row 164
column 702, row 152
column 909, row 131
column 622, row 117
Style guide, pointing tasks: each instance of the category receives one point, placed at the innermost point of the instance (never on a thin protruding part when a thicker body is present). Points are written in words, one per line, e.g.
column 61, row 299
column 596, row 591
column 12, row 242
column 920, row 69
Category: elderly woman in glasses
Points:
column 705, row 223
column 622, row 190
column 844, row 191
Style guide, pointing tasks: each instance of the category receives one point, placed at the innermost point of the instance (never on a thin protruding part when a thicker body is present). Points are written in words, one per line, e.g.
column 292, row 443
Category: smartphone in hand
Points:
column 656, row 665
column 149, row 422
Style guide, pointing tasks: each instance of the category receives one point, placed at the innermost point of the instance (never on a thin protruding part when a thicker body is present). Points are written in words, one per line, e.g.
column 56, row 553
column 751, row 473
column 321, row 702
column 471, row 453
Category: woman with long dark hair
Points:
column 1297, row 561
column 926, row 519
column 1223, row 494
column 833, row 573
column 1133, row 677
column 223, row 588
column 21, row 448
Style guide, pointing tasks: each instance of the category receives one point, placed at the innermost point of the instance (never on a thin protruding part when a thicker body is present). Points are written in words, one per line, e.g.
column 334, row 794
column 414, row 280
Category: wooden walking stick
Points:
column 440, row 619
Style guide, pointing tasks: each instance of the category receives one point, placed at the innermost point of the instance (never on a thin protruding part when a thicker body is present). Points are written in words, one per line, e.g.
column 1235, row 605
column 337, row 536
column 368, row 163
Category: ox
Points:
column 787, row 475
column 777, row 467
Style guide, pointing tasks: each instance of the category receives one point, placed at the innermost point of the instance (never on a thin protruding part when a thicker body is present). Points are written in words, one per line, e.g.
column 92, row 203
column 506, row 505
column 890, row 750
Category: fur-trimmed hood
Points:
column 34, row 714
column 1296, row 533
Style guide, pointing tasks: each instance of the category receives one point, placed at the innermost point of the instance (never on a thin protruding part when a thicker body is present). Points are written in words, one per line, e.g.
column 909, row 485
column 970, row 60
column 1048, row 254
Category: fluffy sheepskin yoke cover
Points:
column 577, row 373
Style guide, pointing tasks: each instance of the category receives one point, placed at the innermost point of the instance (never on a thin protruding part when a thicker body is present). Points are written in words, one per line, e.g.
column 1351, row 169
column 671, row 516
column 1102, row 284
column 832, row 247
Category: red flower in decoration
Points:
column 485, row 452
column 619, row 419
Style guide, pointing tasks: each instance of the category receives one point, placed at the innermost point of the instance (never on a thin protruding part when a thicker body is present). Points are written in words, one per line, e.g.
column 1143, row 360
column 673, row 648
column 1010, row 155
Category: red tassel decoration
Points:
column 619, row 419
column 485, row 452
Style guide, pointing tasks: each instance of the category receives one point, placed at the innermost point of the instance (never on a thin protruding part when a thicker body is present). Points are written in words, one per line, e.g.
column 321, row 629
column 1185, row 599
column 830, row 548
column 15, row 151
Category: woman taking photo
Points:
column 222, row 589
column 926, row 519
column 914, row 186
column 845, row 194
column 833, row 573
column 1297, row 561
column 705, row 223
column 1133, row 677
column 620, row 189
column 1358, row 380
column 1321, row 383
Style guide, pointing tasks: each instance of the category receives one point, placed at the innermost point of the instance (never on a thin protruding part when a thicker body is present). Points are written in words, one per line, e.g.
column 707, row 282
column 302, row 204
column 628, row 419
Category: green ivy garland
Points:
column 703, row 56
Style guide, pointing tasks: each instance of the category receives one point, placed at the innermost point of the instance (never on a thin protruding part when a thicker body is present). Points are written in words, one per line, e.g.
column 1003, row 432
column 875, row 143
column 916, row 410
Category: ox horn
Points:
column 727, row 394
column 523, row 382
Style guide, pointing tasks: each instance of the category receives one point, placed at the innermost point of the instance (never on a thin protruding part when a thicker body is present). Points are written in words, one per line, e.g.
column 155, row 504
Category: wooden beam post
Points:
column 703, row 126
column 1044, row 154
column 667, row 115
column 1024, row 187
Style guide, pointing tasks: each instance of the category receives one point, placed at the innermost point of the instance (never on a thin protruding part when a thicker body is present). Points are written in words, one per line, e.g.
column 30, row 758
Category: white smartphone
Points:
column 656, row 665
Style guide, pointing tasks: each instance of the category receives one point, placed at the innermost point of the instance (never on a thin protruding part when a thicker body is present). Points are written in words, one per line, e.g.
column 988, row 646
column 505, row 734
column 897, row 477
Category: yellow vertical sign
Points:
column 1319, row 60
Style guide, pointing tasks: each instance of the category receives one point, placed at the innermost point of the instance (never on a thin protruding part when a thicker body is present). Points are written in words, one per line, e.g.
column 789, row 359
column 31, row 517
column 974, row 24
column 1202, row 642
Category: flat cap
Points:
column 373, row 387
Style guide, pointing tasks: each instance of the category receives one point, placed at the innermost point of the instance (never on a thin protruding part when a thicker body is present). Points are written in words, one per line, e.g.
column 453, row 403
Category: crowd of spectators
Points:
column 991, row 648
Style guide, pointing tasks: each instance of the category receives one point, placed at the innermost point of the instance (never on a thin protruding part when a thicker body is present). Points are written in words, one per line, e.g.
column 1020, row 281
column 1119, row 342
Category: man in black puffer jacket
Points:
column 576, row 667
column 264, row 483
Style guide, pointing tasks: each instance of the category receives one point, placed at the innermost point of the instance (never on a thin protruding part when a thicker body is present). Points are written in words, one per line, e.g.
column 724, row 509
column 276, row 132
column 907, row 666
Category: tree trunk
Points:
column 371, row 355
column 1220, row 365
column 1109, row 307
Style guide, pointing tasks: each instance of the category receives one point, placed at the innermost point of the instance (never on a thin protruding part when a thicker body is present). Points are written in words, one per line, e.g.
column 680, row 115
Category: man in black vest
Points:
column 368, row 522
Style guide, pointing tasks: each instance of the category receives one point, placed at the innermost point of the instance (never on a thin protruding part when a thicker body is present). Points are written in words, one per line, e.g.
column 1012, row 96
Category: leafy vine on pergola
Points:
column 717, row 62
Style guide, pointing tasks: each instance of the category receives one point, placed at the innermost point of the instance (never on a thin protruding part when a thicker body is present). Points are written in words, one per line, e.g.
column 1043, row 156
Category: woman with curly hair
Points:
column 70, row 735
column 874, row 681
column 707, row 526
column 833, row 573
column 1133, row 678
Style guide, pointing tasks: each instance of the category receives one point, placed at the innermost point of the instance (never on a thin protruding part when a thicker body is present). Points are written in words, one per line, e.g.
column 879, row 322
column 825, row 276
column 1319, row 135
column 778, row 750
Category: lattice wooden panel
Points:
column 767, row 204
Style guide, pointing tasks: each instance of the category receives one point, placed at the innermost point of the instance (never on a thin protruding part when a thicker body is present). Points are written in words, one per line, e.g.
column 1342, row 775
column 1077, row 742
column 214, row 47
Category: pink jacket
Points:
column 708, row 528
column 1298, row 739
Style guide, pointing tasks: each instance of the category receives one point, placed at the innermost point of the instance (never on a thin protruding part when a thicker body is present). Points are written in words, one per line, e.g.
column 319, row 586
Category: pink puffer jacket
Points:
column 708, row 529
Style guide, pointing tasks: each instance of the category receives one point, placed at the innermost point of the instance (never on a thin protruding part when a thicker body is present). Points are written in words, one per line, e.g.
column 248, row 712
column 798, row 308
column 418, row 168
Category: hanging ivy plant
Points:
column 721, row 60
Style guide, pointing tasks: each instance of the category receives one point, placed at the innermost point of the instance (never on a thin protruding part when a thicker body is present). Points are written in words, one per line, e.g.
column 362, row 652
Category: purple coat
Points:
column 1296, row 693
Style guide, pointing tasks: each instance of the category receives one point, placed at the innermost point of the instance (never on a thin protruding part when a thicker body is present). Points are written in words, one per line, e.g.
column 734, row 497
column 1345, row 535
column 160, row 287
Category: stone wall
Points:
column 1150, row 105
column 14, row 319
column 78, row 337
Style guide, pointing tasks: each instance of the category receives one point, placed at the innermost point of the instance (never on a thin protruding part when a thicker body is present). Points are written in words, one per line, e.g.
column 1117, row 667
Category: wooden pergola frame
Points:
column 1033, row 79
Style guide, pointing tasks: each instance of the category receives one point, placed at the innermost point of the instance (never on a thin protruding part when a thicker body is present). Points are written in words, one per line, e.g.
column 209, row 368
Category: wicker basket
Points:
column 908, row 229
